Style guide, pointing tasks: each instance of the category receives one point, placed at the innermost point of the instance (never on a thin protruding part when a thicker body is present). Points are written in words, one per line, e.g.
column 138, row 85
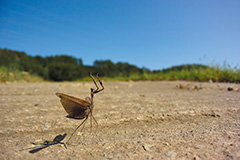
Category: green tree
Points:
column 106, row 68
column 62, row 71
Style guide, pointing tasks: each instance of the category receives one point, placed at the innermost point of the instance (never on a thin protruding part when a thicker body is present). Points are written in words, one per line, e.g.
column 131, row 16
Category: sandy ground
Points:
column 136, row 120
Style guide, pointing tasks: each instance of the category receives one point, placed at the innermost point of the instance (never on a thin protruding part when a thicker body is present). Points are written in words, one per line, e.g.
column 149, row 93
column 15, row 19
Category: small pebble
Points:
column 46, row 126
column 146, row 147
column 171, row 154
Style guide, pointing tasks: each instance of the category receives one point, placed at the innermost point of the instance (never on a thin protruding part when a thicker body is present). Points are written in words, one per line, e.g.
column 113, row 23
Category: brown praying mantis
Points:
column 78, row 108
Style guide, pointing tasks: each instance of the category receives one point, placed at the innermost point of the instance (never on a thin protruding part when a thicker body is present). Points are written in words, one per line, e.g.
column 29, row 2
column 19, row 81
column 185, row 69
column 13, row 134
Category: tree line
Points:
column 68, row 68
column 63, row 67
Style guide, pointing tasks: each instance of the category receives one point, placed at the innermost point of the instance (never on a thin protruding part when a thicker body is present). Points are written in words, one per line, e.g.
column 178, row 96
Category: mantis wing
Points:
column 75, row 107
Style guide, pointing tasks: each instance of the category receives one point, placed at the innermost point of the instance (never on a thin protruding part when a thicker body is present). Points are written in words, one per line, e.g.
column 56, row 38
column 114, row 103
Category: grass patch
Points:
column 216, row 73
column 14, row 75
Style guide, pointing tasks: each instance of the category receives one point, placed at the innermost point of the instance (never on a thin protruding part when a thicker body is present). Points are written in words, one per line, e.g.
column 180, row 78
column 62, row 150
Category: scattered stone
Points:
column 46, row 126
column 171, row 154
column 198, row 147
column 166, row 144
column 196, row 158
column 233, row 89
column 215, row 115
column 212, row 114
column 146, row 147
column 189, row 87
column 180, row 86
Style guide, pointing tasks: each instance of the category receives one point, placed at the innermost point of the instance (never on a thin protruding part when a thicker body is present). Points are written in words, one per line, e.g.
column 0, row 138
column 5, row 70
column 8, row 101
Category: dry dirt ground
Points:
column 136, row 120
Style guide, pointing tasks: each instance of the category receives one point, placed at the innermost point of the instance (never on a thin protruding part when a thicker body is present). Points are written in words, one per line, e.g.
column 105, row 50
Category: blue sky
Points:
column 155, row 34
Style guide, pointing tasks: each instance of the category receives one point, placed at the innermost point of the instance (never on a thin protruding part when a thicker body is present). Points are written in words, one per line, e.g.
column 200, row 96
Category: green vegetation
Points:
column 18, row 66
column 8, row 75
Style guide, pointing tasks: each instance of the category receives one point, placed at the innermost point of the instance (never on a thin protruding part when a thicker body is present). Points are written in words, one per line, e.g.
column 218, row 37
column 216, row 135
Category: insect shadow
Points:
column 45, row 144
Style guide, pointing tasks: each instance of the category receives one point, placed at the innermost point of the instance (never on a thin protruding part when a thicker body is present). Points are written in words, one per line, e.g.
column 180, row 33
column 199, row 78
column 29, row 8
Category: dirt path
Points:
column 136, row 120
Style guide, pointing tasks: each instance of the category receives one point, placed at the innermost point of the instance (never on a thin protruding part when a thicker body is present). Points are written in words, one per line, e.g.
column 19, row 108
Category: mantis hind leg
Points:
column 83, row 123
